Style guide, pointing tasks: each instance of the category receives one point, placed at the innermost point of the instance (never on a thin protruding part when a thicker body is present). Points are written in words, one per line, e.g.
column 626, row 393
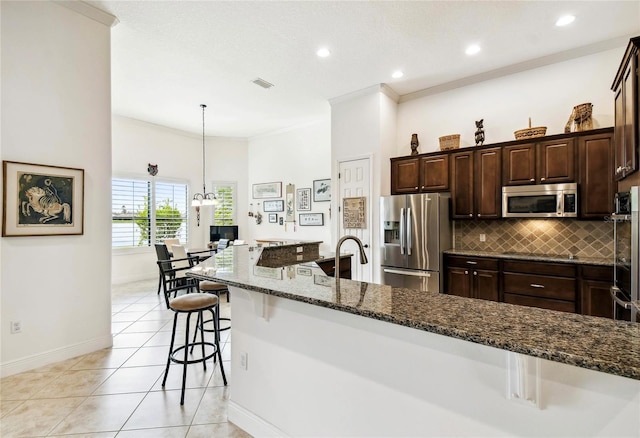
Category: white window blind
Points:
column 225, row 210
column 136, row 224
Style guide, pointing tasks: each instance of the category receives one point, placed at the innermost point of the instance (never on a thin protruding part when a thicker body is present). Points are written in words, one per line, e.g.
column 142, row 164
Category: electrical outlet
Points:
column 483, row 237
column 16, row 327
column 244, row 361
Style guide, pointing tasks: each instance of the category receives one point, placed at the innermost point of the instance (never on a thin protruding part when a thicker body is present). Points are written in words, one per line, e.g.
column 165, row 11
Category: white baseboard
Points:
column 48, row 357
column 251, row 423
column 133, row 278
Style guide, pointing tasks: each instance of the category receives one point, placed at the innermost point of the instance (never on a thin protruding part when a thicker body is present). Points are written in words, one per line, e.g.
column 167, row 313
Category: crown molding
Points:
column 89, row 11
column 378, row 88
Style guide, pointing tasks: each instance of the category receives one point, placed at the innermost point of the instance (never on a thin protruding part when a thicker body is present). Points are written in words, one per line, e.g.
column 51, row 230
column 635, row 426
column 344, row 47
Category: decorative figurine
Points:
column 152, row 169
column 479, row 132
column 580, row 118
column 414, row 144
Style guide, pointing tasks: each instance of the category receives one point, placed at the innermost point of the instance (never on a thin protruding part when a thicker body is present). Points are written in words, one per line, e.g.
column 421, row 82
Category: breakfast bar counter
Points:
column 319, row 346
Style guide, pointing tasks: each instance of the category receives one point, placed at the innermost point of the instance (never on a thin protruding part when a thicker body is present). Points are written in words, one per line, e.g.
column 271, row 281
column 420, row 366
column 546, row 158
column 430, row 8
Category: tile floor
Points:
column 116, row 392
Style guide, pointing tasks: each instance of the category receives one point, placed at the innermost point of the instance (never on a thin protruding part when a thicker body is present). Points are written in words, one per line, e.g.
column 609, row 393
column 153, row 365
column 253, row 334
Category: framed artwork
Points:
column 321, row 190
column 313, row 219
column 304, row 271
column 273, row 218
column 41, row 200
column 269, row 206
column 303, row 198
column 290, row 215
column 267, row 190
column 354, row 213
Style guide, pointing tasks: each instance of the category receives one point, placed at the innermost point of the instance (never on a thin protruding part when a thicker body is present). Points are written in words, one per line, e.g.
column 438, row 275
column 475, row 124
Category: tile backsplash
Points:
column 537, row 236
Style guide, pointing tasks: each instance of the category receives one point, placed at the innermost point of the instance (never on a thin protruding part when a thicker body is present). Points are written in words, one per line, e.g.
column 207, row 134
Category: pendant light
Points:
column 204, row 198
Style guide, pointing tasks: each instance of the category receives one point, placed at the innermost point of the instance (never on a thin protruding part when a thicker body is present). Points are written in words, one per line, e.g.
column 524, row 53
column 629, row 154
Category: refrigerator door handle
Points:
column 408, row 231
column 411, row 273
column 402, row 231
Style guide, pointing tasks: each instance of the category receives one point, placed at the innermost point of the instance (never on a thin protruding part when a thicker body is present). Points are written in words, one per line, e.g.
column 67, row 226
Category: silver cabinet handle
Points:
column 470, row 214
column 466, row 272
column 532, row 180
column 475, row 273
column 542, row 179
column 416, row 188
column 471, row 263
column 539, row 286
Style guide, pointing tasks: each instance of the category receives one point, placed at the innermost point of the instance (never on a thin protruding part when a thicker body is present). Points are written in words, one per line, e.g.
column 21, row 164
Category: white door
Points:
column 353, row 182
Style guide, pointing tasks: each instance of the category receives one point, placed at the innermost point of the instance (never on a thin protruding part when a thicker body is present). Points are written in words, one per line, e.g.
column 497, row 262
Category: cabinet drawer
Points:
column 540, row 286
column 472, row 262
column 539, row 268
column 544, row 303
column 598, row 273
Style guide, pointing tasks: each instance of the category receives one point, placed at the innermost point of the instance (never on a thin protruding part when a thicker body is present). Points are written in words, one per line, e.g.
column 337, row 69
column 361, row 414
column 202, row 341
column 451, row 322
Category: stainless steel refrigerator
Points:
column 415, row 230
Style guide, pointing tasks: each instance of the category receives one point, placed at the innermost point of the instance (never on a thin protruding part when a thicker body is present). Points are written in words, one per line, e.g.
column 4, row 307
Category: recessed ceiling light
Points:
column 472, row 49
column 397, row 74
column 323, row 52
column 565, row 19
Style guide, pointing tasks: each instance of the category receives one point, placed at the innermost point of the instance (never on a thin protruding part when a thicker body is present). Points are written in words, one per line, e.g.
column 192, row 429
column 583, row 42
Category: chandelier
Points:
column 204, row 198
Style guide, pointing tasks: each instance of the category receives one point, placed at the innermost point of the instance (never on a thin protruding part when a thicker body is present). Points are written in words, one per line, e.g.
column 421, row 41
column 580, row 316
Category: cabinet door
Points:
column 434, row 173
column 596, row 168
column 485, row 285
column 519, row 165
column 556, row 161
column 458, row 282
column 631, row 127
column 488, row 187
column 462, row 185
column 619, row 133
column 405, row 174
column 595, row 298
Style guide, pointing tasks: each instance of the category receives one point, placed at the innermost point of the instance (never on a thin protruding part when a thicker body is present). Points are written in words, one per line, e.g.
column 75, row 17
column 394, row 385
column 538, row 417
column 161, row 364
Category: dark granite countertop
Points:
column 534, row 257
column 589, row 342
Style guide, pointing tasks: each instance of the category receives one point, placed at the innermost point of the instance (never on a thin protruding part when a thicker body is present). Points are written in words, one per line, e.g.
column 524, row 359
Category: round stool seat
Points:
column 193, row 302
column 212, row 286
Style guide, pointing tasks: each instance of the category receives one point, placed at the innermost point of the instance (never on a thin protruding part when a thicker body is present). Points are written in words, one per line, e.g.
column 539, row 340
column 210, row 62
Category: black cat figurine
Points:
column 479, row 132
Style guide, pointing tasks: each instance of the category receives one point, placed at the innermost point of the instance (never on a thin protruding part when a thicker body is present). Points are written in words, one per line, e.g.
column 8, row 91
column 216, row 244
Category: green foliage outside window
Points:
column 224, row 210
column 168, row 222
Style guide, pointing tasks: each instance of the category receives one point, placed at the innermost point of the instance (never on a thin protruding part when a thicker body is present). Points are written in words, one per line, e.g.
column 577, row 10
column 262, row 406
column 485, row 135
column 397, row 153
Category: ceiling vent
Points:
column 261, row 82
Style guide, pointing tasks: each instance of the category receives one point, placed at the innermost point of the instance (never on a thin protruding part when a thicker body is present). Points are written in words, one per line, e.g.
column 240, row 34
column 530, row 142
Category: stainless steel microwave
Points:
column 542, row 201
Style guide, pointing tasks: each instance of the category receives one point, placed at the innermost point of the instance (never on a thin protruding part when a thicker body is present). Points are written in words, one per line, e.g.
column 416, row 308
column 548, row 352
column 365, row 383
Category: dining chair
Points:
column 163, row 254
column 173, row 278
column 169, row 243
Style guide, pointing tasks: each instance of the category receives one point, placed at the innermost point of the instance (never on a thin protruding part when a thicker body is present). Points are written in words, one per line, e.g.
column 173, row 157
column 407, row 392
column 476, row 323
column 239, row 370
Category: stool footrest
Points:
column 191, row 345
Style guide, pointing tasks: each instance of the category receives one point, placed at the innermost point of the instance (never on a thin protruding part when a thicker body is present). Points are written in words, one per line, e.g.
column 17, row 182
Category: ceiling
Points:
column 168, row 57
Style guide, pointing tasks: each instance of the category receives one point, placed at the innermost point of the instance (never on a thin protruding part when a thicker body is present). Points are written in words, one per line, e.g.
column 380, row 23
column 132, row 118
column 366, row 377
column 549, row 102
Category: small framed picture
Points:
column 304, row 271
column 321, row 190
column 275, row 205
column 303, row 199
column 42, row 200
column 267, row 190
column 273, row 218
column 311, row 219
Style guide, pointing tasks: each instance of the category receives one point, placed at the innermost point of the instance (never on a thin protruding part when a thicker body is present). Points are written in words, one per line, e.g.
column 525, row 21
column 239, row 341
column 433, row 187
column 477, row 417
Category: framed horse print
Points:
column 42, row 200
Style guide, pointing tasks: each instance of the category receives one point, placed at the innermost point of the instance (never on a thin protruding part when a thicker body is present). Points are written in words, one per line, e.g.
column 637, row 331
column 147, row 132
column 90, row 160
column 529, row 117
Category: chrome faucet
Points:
column 363, row 256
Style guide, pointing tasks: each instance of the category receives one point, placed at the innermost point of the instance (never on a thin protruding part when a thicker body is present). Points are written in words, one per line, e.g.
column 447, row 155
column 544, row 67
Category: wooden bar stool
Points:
column 190, row 304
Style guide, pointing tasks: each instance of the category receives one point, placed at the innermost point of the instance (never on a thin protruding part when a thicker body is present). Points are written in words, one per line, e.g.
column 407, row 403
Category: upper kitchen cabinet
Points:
column 627, row 113
column 597, row 187
column 405, row 175
column 543, row 162
column 475, row 184
column 420, row 174
column 434, row 173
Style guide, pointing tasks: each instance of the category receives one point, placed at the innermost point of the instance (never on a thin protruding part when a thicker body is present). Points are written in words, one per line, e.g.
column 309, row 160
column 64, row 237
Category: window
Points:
column 136, row 224
column 225, row 210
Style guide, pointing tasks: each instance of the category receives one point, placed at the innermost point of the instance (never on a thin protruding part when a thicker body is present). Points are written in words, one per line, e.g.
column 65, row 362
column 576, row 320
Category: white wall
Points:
column 56, row 110
column 179, row 157
column 297, row 156
column 546, row 94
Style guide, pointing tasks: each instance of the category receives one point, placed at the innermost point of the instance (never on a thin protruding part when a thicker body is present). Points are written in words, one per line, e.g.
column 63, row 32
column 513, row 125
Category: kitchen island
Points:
column 327, row 357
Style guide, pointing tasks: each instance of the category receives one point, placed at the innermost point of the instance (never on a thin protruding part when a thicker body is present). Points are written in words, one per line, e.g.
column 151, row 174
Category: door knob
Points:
column 366, row 245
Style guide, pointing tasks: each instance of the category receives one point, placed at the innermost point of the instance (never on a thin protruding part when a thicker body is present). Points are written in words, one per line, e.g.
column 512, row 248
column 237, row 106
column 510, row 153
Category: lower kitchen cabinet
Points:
column 472, row 277
column 539, row 284
column 595, row 296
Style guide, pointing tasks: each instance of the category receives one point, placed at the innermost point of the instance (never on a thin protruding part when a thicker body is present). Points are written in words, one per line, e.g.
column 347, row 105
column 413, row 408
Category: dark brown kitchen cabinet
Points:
column 434, row 173
column 405, row 175
column 544, row 162
column 627, row 113
column 472, row 277
column 462, row 183
column 596, row 175
column 488, row 183
column 595, row 284
column 476, row 184
column 540, row 284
